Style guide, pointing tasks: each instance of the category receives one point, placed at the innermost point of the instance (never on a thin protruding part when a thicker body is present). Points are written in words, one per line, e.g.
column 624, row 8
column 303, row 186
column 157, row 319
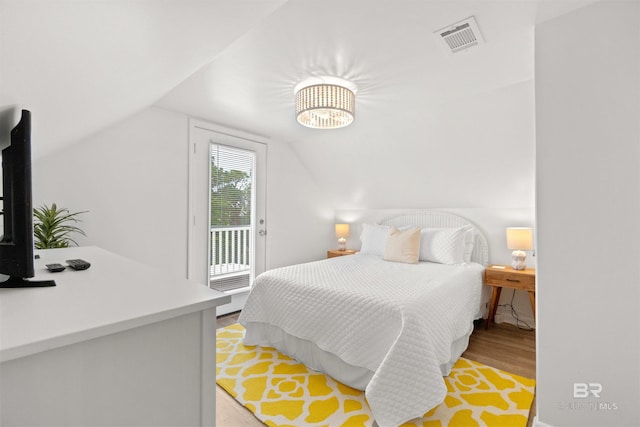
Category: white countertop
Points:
column 113, row 295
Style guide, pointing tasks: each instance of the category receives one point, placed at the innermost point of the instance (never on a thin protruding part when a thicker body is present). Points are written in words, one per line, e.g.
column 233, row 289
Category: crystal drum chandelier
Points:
column 325, row 103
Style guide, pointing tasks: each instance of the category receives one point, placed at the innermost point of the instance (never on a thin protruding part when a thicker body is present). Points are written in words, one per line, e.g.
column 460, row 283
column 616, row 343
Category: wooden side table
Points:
column 337, row 252
column 507, row 277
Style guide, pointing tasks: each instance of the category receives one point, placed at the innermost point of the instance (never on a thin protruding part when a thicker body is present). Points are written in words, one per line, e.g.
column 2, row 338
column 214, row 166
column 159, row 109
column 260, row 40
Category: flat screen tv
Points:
column 16, row 244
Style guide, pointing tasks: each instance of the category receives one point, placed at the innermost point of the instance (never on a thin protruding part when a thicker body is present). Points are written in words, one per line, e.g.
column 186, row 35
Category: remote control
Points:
column 55, row 268
column 78, row 264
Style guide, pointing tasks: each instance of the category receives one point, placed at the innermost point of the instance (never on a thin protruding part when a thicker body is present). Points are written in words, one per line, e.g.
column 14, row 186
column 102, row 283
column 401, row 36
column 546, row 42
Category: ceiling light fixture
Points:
column 325, row 102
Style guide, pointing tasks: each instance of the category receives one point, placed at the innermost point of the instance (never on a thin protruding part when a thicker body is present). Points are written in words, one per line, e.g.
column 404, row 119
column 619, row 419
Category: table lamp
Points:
column 519, row 239
column 342, row 232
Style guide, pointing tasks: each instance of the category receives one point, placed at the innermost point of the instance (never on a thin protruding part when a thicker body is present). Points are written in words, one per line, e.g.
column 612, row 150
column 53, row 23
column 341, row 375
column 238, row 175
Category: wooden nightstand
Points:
column 337, row 252
column 507, row 277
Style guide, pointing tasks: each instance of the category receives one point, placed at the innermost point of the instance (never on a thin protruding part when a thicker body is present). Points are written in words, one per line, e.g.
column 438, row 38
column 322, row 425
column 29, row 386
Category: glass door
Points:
column 227, row 230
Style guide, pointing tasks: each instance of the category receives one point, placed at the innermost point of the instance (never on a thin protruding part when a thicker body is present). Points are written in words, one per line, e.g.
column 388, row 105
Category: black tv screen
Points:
column 16, row 245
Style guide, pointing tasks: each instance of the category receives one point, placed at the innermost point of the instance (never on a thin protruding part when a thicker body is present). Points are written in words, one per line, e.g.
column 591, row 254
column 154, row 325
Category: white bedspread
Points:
column 398, row 320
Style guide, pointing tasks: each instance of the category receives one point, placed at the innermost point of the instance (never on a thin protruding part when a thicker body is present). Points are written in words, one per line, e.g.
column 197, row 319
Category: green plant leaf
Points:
column 53, row 227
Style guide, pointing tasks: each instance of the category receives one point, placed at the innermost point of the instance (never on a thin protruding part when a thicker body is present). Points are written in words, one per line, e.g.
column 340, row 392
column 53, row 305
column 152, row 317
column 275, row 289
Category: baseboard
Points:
column 506, row 317
column 237, row 303
column 537, row 423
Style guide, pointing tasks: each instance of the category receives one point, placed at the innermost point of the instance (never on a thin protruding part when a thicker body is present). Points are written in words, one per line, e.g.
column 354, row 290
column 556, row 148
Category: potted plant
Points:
column 54, row 226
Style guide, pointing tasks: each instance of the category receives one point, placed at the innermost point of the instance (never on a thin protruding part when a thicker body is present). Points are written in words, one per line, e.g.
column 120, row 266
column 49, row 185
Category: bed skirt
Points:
column 320, row 360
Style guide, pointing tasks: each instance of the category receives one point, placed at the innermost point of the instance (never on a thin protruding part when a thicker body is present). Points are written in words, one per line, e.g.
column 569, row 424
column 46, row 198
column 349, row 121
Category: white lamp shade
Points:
column 520, row 238
column 342, row 230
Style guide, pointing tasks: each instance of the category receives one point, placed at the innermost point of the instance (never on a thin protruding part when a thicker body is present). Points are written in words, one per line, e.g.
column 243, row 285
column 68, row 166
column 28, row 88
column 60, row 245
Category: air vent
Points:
column 459, row 36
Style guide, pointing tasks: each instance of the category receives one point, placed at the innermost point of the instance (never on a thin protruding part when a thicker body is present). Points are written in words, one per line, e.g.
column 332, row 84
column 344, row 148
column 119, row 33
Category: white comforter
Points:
column 397, row 320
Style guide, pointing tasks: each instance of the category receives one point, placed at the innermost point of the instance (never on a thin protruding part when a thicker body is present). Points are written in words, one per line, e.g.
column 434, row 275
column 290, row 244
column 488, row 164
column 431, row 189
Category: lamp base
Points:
column 342, row 244
column 519, row 260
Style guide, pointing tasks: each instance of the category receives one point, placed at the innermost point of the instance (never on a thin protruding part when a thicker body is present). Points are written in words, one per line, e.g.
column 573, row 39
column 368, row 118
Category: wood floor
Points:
column 502, row 346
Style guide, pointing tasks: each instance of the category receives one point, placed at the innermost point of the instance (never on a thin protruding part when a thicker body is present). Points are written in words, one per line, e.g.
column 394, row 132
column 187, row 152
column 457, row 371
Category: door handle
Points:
column 262, row 232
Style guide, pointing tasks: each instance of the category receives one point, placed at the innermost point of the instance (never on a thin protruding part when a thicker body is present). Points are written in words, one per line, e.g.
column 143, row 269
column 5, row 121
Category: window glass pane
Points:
column 232, row 175
column 231, row 181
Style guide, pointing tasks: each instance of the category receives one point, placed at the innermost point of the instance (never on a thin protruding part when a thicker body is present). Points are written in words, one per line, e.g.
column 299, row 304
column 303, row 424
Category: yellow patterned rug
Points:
column 283, row 392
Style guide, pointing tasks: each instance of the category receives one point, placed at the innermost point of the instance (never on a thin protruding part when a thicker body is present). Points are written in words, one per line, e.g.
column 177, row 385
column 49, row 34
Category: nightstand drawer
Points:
column 510, row 279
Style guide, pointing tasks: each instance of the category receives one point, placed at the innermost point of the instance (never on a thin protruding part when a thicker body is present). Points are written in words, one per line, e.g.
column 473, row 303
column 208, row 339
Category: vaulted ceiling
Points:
column 387, row 50
column 83, row 65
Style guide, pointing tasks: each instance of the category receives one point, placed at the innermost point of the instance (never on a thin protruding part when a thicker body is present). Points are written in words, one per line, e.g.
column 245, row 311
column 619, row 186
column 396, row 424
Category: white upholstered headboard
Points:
column 439, row 219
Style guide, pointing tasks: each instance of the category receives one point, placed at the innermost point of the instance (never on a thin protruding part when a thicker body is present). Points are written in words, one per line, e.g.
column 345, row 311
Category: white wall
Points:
column 588, row 210
column 300, row 215
column 132, row 178
column 475, row 151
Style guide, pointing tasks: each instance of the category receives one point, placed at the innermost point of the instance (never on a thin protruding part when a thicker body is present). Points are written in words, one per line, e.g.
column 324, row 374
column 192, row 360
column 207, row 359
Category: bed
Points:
column 392, row 329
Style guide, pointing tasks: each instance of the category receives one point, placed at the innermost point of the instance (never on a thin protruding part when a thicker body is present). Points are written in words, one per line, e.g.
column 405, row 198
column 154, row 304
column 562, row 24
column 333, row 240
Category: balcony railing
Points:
column 230, row 251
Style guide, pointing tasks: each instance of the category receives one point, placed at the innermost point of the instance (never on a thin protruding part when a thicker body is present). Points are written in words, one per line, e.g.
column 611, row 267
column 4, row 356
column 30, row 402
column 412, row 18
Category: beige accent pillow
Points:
column 403, row 245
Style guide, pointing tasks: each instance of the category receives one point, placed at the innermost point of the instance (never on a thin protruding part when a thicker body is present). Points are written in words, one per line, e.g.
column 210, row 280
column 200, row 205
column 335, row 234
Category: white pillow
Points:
column 446, row 245
column 403, row 245
column 374, row 239
column 469, row 241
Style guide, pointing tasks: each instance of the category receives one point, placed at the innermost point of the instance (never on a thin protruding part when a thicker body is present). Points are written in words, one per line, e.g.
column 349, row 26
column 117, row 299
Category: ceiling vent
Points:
column 459, row 36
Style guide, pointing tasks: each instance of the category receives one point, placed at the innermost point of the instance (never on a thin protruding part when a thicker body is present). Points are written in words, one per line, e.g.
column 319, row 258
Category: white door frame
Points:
column 201, row 136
